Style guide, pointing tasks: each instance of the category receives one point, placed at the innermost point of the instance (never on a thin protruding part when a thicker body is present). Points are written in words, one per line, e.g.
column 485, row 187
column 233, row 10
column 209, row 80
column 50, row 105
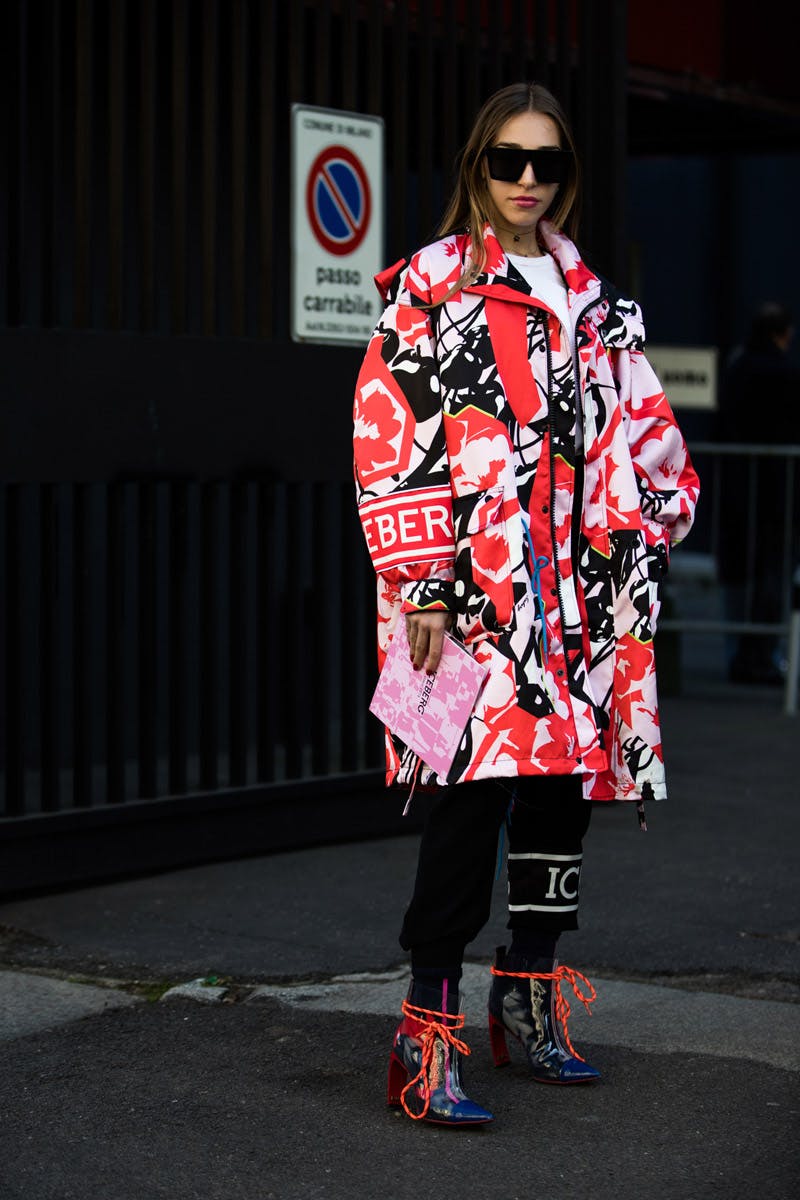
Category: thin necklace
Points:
column 517, row 237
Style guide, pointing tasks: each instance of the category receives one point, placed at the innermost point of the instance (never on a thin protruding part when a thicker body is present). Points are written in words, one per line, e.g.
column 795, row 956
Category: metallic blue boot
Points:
column 425, row 1063
column 526, row 1001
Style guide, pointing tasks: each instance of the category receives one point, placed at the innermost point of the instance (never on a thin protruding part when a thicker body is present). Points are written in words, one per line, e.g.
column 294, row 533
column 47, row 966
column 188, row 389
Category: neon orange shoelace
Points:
column 563, row 1009
column 434, row 1027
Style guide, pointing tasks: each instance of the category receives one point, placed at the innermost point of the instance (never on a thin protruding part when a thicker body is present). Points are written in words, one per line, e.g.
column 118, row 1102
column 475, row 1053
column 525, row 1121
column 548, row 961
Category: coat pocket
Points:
column 483, row 561
column 594, row 523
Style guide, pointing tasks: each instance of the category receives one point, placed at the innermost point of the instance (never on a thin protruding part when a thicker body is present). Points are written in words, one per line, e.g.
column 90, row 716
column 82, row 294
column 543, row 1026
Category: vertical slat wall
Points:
column 167, row 636
column 146, row 144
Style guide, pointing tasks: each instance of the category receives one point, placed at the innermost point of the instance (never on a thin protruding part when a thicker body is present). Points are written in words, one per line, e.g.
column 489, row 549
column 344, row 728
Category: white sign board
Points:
column 688, row 374
column 337, row 224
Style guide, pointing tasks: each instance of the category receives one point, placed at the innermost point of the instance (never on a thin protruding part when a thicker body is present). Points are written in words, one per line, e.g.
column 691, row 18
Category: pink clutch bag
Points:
column 428, row 712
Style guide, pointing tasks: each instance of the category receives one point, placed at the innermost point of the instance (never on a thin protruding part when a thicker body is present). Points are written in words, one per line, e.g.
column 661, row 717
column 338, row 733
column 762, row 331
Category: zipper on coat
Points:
column 576, row 366
column 551, row 422
column 580, row 457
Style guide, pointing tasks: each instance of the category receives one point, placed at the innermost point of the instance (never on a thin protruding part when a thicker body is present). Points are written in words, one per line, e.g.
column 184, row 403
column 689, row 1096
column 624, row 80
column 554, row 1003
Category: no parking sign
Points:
column 337, row 224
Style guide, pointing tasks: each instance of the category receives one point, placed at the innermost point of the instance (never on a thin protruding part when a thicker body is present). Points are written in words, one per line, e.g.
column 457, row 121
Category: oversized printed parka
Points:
column 465, row 465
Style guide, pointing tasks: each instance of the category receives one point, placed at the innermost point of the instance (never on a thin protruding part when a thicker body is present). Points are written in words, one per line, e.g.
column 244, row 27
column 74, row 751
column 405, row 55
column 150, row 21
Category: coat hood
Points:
column 619, row 319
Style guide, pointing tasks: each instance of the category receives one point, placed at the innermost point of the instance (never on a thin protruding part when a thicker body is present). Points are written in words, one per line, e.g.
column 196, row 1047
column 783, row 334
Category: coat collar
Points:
column 501, row 280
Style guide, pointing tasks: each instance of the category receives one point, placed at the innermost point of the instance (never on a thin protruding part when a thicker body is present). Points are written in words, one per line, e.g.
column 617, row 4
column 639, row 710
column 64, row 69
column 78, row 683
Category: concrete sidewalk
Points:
column 265, row 1076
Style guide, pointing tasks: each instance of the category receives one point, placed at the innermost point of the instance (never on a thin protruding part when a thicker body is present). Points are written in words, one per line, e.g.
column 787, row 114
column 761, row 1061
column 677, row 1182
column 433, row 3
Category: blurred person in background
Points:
column 760, row 506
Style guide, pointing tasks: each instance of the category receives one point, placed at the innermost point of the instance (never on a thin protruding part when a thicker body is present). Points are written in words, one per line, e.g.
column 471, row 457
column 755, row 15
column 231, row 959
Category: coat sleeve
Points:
column 667, row 482
column 401, row 467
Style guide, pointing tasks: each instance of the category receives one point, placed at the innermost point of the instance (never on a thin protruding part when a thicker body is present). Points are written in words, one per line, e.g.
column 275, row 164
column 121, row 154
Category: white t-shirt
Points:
column 547, row 283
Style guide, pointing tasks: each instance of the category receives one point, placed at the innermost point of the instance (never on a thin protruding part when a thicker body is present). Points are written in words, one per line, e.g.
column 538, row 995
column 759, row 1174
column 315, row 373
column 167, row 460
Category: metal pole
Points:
column 793, row 664
column 793, row 649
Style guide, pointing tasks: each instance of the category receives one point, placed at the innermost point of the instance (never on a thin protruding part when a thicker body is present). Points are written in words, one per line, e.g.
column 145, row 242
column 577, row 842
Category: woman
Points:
column 520, row 478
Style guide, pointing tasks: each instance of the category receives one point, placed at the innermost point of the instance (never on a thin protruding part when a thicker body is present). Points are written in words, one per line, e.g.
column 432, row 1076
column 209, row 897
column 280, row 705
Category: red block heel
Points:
column 398, row 1076
column 497, row 1039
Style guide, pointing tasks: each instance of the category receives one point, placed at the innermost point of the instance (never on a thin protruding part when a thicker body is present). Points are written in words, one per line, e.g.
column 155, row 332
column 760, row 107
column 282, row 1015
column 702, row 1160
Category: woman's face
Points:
column 520, row 205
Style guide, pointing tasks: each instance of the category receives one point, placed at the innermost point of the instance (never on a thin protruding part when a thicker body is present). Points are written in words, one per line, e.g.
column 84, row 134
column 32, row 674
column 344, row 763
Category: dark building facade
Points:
column 179, row 545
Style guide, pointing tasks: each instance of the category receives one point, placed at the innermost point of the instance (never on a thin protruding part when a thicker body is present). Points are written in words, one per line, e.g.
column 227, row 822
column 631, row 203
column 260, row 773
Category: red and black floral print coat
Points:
column 465, row 465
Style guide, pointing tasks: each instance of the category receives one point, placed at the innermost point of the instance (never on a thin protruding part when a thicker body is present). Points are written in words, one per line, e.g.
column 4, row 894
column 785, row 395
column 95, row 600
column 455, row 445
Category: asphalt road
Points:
column 269, row 1080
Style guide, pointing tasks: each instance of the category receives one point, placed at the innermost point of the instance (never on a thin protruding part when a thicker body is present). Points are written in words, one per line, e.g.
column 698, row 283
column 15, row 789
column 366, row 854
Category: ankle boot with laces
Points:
column 526, row 1001
column 425, row 1063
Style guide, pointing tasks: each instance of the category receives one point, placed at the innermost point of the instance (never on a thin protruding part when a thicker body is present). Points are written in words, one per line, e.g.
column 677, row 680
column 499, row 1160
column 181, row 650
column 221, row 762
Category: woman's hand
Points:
column 425, row 638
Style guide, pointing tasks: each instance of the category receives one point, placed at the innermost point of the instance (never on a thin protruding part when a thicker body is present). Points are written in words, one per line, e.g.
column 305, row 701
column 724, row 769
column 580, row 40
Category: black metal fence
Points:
column 171, row 637
column 178, row 648
column 743, row 587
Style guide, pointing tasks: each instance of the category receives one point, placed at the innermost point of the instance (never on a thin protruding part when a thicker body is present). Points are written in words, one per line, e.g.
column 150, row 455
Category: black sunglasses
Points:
column 508, row 164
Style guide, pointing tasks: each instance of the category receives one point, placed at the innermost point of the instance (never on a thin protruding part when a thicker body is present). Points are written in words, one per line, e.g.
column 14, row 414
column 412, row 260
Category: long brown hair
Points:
column 469, row 206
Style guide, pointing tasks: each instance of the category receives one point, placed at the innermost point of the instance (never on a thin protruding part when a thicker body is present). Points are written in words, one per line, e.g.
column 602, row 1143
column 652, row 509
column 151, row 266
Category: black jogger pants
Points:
column 458, row 860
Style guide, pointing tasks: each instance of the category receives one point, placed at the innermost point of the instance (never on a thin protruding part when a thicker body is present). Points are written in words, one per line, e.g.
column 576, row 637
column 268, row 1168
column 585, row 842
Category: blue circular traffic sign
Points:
column 338, row 200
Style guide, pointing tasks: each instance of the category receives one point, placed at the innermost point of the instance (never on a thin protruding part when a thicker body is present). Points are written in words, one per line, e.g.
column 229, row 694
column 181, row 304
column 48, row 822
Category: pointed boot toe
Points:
column 575, row 1070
